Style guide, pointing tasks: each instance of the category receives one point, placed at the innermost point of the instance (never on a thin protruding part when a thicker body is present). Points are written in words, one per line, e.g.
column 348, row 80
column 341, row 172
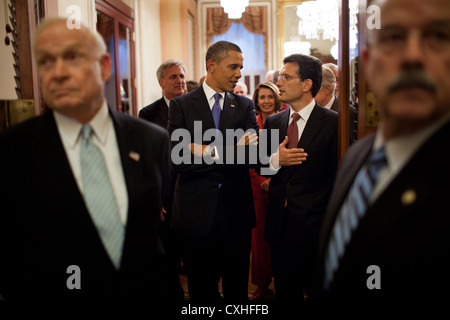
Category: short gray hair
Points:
column 161, row 72
column 328, row 78
column 243, row 85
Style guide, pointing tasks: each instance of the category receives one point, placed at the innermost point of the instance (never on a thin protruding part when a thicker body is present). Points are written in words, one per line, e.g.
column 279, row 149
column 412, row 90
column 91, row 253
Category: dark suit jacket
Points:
column 408, row 240
column 157, row 112
column 197, row 189
column 307, row 186
column 353, row 119
column 45, row 226
column 334, row 106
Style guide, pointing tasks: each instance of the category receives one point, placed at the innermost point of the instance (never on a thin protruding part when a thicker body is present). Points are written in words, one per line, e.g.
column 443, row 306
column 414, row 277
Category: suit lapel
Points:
column 77, row 216
column 283, row 124
column 201, row 107
column 392, row 206
column 163, row 111
column 334, row 106
column 127, row 145
column 228, row 112
column 58, row 160
column 312, row 127
column 346, row 176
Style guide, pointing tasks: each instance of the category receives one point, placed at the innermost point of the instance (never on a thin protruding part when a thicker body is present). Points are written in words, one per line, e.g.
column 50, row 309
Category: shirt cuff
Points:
column 274, row 162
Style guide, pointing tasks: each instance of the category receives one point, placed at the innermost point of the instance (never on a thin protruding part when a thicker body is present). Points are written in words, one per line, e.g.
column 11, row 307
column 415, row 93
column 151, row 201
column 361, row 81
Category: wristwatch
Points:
column 211, row 151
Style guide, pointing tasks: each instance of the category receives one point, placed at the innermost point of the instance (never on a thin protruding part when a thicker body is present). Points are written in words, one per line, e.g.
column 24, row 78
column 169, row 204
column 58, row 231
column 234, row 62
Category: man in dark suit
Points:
column 172, row 79
column 325, row 96
column 54, row 243
column 397, row 248
column 213, row 205
column 327, row 99
column 304, row 175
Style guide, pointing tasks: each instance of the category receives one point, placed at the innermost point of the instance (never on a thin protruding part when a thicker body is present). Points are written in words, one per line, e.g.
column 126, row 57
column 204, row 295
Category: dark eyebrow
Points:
column 235, row 65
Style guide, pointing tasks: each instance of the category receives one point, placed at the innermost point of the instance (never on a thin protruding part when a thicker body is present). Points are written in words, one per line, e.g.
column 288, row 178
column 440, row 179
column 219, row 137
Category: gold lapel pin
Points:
column 409, row 197
column 135, row 156
column 232, row 105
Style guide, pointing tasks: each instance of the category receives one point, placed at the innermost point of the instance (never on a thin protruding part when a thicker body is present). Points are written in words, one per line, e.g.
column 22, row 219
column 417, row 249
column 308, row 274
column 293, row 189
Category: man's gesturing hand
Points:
column 289, row 157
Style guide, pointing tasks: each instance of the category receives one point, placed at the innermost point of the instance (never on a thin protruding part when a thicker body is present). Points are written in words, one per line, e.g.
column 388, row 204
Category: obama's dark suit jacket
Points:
column 197, row 188
column 213, row 203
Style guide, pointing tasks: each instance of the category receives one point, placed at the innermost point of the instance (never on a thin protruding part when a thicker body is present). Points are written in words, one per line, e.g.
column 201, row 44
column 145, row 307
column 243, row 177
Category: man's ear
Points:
column 307, row 85
column 105, row 66
column 210, row 65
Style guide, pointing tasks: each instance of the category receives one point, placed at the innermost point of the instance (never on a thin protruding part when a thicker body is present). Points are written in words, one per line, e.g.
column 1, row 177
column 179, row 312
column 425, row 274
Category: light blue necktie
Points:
column 216, row 111
column 352, row 211
column 99, row 196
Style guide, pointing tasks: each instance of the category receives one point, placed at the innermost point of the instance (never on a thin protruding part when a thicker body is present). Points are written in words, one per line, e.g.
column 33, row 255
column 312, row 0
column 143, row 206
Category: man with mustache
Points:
column 385, row 234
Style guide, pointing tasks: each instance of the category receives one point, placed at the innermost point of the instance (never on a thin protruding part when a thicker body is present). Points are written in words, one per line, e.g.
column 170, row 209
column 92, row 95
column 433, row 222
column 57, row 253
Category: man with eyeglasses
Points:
column 305, row 165
column 397, row 248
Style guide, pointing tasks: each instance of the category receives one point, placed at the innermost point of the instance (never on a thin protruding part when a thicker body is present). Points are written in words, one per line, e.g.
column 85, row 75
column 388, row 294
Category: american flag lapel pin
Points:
column 135, row 156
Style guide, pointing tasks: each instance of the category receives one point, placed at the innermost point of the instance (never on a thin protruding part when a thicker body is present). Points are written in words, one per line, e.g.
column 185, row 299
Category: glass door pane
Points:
column 126, row 85
column 105, row 26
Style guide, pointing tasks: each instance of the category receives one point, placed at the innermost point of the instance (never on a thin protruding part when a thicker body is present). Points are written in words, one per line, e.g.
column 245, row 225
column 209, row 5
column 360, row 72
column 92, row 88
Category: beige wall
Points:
column 174, row 31
column 148, row 52
column 7, row 83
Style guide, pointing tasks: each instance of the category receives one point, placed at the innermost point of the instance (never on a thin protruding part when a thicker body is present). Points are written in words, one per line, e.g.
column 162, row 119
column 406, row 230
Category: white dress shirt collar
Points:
column 209, row 92
column 330, row 103
column 70, row 128
column 399, row 151
column 105, row 139
column 167, row 101
column 304, row 112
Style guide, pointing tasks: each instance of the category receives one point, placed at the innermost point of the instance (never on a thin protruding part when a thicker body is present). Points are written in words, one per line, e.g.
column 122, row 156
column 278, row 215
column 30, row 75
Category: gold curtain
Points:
column 254, row 20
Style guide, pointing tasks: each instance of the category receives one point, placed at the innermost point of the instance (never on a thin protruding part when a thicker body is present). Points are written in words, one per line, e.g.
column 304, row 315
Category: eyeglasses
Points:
column 285, row 77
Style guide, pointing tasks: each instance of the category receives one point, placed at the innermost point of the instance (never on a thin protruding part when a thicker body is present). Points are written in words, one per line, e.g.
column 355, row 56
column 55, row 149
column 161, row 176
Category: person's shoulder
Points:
column 143, row 126
column 28, row 128
column 152, row 107
column 241, row 99
column 278, row 115
column 194, row 94
column 359, row 146
column 326, row 112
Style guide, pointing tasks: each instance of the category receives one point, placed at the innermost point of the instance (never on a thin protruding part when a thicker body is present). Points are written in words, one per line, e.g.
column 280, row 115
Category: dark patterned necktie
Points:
column 292, row 131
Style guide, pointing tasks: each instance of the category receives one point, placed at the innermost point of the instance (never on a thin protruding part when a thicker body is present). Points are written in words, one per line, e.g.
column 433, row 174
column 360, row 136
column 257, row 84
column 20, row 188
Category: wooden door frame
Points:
column 121, row 13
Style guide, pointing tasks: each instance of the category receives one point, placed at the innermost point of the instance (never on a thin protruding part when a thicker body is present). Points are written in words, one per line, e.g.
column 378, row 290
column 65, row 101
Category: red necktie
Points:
column 292, row 131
